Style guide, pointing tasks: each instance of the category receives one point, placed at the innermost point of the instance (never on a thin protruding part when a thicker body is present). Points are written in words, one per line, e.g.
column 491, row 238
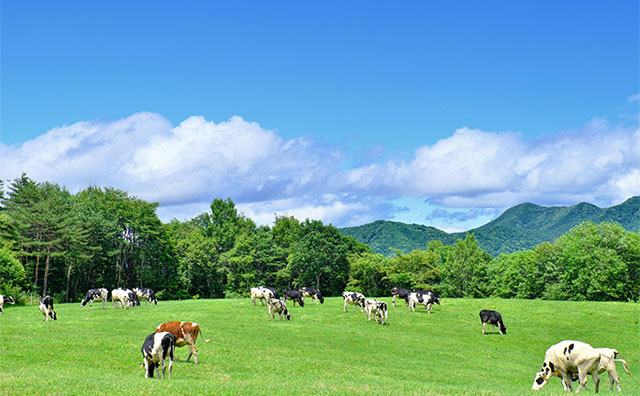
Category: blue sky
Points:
column 380, row 103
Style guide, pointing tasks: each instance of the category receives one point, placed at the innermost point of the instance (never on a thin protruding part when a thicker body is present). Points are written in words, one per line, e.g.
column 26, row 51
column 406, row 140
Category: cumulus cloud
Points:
column 184, row 167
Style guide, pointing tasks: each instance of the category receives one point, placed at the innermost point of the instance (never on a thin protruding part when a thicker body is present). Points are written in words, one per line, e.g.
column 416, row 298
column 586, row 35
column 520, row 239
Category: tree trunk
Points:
column 46, row 271
column 66, row 299
column 35, row 282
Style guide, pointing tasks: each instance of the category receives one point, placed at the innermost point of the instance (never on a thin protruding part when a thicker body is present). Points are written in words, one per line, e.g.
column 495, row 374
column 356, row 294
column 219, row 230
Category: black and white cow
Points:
column 95, row 295
column 493, row 318
column 5, row 300
column 262, row 293
column 313, row 293
column 46, row 307
column 155, row 350
column 277, row 306
column 400, row 293
column 378, row 308
column 133, row 298
column 426, row 298
column 566, row 358
column 120, row 297
column 353, row 298
column 145, row 293
column 293, row 295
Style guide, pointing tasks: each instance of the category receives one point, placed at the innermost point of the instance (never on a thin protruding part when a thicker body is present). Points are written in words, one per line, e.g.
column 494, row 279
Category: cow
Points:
column 46, row 307
column 313, row 293
column 353, row 298
column 277, row 306
column 426, row 298
column 294, row 296
column 493, row 318
column 379, row 308
column 5, row 300
column 566, row 358
column 121, row 296
column 155, row 349
column 148, row 294
column 185, row 333
column 262, row 293
column 95, row 295
column 133, row 298
column 400, row 293
column 608, row 359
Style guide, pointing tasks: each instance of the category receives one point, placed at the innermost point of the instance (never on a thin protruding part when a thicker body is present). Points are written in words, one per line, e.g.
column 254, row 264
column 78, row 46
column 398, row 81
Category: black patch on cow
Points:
column 552, row 367
column 570, row 347
column 539, row 380
column 544, row 364
column 564, row 352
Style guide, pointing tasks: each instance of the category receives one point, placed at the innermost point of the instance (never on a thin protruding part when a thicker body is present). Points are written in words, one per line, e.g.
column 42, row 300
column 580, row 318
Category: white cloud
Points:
column 184, row 167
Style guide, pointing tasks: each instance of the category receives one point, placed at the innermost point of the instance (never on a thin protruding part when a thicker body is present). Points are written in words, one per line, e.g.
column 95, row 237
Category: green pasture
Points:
column 321, row 351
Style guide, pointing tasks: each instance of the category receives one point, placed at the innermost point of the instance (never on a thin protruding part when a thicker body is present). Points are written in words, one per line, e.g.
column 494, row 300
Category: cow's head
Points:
column 543, row 376
column 321, row 299
column 9, row 300
column 503, row 328
column 287, row 314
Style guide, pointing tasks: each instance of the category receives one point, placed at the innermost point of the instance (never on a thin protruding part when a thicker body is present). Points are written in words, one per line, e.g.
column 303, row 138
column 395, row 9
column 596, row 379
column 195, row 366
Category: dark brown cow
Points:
column 186, row 333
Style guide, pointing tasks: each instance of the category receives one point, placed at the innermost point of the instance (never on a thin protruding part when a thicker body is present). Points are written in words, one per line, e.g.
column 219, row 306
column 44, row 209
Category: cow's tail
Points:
column 624, row 364
column 202, row 335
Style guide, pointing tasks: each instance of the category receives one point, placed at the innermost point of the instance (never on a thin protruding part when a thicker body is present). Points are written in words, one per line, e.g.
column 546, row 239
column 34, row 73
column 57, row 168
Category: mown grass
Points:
column 321, row 351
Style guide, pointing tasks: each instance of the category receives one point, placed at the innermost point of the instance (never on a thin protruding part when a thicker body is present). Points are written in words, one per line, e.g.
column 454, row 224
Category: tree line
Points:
column 62, row 244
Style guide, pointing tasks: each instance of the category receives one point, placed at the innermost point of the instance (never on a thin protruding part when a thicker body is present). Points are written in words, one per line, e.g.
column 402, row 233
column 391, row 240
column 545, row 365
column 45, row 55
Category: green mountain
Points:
column 520, row 227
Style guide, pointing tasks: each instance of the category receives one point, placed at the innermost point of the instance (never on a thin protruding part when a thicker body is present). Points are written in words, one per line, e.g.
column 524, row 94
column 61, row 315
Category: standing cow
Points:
column 400, row 293
column 378, row 308
column 262, row 293
column 493, row 318
column 294, row 296
column 313, row 293
column 46, row 307
column 5, row 300
column 155, row 349
column 566, row 358
column 147, row 294
column 426, row 298
column 121, row 297
column 92, row 295
column 185, row 333
column 353, row 298
column 277, row 306
column 608, row 359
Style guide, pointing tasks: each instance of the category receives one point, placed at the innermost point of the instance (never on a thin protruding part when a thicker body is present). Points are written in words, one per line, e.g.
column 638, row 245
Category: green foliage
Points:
column 11, row 271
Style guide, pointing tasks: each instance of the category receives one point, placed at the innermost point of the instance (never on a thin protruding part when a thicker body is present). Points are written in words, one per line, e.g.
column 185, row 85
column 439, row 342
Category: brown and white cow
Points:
column 186, row 333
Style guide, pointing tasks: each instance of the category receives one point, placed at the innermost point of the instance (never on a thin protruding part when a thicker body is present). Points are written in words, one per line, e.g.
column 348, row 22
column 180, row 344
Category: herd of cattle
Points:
column 569, row 360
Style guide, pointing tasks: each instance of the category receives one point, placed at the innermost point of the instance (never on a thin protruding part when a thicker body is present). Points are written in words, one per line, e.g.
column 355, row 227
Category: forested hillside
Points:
column 520, row 227
column 62, row 244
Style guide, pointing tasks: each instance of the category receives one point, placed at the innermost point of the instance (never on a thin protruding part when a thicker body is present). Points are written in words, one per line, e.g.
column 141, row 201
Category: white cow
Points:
column 566, row 358
column 155, row 349
column 92, row 295
column 262, row 293
column 277, row 306
column 427, row 299
column 379, row 308
column 608, row 359
column 121, row 296
column 353, row 298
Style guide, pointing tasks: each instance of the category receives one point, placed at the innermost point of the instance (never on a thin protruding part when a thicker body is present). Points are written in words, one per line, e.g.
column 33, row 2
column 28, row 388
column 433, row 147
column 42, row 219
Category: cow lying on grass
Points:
column 155, row 350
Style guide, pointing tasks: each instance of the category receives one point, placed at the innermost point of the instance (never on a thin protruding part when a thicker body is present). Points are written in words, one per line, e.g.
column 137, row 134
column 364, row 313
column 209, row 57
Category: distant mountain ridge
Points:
column 520, row 227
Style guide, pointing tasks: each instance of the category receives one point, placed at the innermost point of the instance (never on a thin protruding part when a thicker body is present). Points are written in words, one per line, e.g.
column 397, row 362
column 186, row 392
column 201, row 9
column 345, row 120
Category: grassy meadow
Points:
column 321, row 351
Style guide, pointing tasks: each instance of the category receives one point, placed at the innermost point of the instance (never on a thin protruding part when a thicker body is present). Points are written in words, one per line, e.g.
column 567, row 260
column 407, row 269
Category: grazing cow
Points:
column 95, row 295
column 566, row 358
column 426, row 298
column 608, row 359
column 400, row 293
column 313, row 293
column 148, row 294
column 46, row 307
column 493, row 318
column 121, row 297
column 133, row 298
column 5, row 299
column 293, row 295
column 353, row 298
column 277, row 306
column 186, row 333
column 379, row 308
column 154, row 350
column 262, row 293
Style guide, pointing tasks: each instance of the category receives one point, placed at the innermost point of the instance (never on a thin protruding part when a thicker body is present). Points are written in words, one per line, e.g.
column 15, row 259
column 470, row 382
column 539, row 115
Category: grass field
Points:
column 322, row 350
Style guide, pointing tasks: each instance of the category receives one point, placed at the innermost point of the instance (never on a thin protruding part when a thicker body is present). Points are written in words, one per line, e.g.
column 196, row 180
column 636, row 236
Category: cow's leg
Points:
column 483, row 326
column 161, row 368
column 171, row 365
column 394, row 300
column 316, row 298
column 582, row 377
column 596, row 380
